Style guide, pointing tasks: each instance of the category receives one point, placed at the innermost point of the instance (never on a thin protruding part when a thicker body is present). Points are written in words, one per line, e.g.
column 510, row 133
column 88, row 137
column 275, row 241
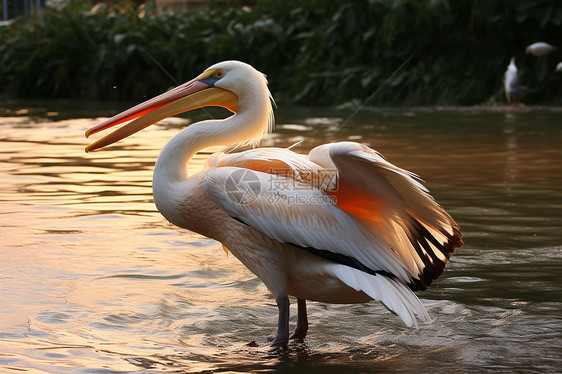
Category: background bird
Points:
column 339, row 225
column 559, row 67
column 512, row 86
column 540, row 49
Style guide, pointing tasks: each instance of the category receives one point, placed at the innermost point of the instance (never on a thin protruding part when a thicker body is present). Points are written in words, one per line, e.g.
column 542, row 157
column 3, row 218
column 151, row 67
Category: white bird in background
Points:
column 540, row 49
column 559, row 67
column 512, row 86
column 341, row 225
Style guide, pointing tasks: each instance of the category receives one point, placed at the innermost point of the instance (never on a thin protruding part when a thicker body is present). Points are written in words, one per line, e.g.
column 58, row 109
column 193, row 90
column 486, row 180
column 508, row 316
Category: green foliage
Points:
column 410, row 52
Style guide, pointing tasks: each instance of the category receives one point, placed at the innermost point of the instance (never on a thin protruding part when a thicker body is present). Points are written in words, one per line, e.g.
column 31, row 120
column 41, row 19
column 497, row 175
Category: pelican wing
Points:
column 277, row 161
column 296, row 213
column 394, row 206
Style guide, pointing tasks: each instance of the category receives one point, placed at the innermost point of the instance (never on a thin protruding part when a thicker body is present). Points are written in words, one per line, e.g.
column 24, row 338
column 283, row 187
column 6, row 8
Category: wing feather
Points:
column 302, row 216
column 395, row 206
column 277, row 161
column 347, row 204
column 394, row 294
column 401, row 217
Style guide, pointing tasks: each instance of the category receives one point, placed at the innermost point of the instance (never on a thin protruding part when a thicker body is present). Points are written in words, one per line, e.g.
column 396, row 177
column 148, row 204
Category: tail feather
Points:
column 395, row 295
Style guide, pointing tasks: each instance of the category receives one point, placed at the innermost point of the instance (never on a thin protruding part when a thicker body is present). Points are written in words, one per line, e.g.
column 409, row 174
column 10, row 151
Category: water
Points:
column 94, row 280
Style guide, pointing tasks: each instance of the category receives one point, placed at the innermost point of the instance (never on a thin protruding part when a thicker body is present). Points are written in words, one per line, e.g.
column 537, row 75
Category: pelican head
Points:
column 512, row 65
column 233, row 85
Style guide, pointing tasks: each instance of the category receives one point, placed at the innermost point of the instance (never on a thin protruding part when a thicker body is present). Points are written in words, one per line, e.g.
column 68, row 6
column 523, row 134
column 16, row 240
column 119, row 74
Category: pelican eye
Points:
column 211, row 77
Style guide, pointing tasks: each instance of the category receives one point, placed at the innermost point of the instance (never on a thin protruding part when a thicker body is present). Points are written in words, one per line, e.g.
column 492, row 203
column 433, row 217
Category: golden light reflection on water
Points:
column 93, row 277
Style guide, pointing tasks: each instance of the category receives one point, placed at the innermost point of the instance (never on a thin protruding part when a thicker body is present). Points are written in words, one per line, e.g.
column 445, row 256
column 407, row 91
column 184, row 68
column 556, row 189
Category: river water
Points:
column 94, row 280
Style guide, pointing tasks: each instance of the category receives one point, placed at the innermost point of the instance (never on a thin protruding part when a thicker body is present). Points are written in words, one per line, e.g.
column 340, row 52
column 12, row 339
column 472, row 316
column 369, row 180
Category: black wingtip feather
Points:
column 434, row 266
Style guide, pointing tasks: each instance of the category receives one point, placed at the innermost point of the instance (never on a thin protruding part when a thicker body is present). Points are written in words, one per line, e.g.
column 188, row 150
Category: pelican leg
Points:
column 282, row 337
column 302, row 321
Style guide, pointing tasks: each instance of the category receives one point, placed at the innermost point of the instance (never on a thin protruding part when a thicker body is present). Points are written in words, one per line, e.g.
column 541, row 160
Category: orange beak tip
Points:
column 89, row 132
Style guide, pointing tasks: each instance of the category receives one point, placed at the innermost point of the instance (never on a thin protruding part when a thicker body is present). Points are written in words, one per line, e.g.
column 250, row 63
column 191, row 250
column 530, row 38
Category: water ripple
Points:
column 95, row 280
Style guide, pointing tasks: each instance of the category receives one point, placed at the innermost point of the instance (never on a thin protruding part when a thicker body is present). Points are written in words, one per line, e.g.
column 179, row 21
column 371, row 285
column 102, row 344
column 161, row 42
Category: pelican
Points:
column 512, row 86
column 540, row 49
column 340, row 225
column 559, row 67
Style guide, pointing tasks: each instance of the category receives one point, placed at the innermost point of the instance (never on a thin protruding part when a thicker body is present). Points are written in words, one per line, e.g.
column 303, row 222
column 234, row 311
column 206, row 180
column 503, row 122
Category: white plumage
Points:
column 540, row 49
column 341, row 225
column 513, row 89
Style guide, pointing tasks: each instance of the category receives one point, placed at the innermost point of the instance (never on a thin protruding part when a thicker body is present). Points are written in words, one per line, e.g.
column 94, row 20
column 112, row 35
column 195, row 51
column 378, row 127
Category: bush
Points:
column 410, row 52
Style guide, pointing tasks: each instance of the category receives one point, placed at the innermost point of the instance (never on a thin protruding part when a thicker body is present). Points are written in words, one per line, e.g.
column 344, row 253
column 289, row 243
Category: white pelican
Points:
column 559, row 67
column 540, row 49
column 341, row 225
column 511, row 84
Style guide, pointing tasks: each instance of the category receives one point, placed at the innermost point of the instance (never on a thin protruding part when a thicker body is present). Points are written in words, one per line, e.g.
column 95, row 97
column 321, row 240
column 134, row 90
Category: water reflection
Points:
column 94, row 279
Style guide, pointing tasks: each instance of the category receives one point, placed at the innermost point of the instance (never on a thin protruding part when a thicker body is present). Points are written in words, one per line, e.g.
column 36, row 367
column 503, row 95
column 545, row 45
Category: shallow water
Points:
column 94, row 280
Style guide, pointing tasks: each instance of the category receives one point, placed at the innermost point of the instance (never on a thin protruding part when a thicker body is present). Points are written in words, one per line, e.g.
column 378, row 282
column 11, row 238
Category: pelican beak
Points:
column 191, row 95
